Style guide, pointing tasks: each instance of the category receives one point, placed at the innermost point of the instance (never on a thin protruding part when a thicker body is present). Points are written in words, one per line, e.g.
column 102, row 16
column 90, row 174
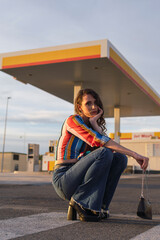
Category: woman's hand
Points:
column 142, row 161
column 96, row 117
column 93, row 121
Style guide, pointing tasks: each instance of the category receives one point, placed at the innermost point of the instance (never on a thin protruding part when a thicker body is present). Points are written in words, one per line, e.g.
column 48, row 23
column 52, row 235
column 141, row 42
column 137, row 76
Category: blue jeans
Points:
column 92, row 181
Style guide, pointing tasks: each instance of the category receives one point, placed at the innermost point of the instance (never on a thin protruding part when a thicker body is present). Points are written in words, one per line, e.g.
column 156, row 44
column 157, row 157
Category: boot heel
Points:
column 72, row 214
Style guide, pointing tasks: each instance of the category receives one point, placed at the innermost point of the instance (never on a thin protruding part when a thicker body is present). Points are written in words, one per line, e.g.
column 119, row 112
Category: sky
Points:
column 35, row 116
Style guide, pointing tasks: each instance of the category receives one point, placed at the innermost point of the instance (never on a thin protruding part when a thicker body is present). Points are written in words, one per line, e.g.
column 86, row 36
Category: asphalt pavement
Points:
column 30, row 209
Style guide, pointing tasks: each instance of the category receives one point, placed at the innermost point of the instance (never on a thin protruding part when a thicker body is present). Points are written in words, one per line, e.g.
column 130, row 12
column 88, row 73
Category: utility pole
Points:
column 4, row 138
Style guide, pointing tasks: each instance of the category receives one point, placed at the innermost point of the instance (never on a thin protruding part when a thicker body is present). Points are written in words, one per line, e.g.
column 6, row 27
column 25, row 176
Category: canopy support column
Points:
column 77, row 87
column 117, row 124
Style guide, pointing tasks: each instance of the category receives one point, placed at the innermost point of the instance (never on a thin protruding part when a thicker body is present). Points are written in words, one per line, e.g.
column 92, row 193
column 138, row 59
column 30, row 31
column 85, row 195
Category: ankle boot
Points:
column 83, row 214
column 72, row 214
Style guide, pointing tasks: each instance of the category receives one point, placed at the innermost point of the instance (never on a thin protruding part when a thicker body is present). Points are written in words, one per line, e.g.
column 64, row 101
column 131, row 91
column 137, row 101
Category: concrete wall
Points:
column 10, row 165
column 149, row 148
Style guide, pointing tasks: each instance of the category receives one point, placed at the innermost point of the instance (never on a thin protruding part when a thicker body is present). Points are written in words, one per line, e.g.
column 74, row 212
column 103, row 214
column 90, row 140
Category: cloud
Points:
column 42, row 116
column 30, row 104
column 135, row 124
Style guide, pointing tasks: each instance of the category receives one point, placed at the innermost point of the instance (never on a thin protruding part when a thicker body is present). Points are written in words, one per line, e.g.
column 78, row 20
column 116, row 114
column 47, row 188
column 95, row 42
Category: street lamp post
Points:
column 4, row 137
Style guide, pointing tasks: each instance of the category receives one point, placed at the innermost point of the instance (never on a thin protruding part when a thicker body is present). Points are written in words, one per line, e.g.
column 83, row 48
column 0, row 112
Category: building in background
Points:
column 48, row 160
column 14, row 161
column 33, row 158
column 144, row 143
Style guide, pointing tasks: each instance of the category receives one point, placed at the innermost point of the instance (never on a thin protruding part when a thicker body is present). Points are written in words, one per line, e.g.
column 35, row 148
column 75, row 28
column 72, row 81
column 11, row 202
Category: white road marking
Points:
column 22, row 226
column 151, row 234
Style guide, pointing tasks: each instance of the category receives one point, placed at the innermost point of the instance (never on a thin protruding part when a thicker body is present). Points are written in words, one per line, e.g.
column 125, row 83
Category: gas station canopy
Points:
column 96, row 64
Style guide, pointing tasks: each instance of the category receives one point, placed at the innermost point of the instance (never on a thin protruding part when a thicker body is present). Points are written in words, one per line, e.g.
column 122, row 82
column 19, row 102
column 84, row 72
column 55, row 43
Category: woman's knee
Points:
column 122, row 160
column 106, row 155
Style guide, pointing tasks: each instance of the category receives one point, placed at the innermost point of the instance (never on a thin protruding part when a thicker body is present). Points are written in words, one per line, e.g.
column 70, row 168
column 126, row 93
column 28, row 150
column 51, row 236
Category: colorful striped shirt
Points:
column 75, row 137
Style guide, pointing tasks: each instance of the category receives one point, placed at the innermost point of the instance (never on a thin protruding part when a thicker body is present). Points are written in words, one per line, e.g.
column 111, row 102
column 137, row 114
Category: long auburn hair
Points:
column 78, row 101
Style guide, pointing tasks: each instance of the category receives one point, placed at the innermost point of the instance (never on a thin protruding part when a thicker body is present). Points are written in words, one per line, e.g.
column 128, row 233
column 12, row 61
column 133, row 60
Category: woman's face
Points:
column 88, row 107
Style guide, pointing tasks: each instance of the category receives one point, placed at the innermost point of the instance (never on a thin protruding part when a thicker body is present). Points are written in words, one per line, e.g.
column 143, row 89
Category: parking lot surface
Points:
column 30, row 209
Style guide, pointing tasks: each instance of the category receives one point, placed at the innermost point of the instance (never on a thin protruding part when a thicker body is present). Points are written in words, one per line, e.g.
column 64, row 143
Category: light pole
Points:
column 4, row 137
